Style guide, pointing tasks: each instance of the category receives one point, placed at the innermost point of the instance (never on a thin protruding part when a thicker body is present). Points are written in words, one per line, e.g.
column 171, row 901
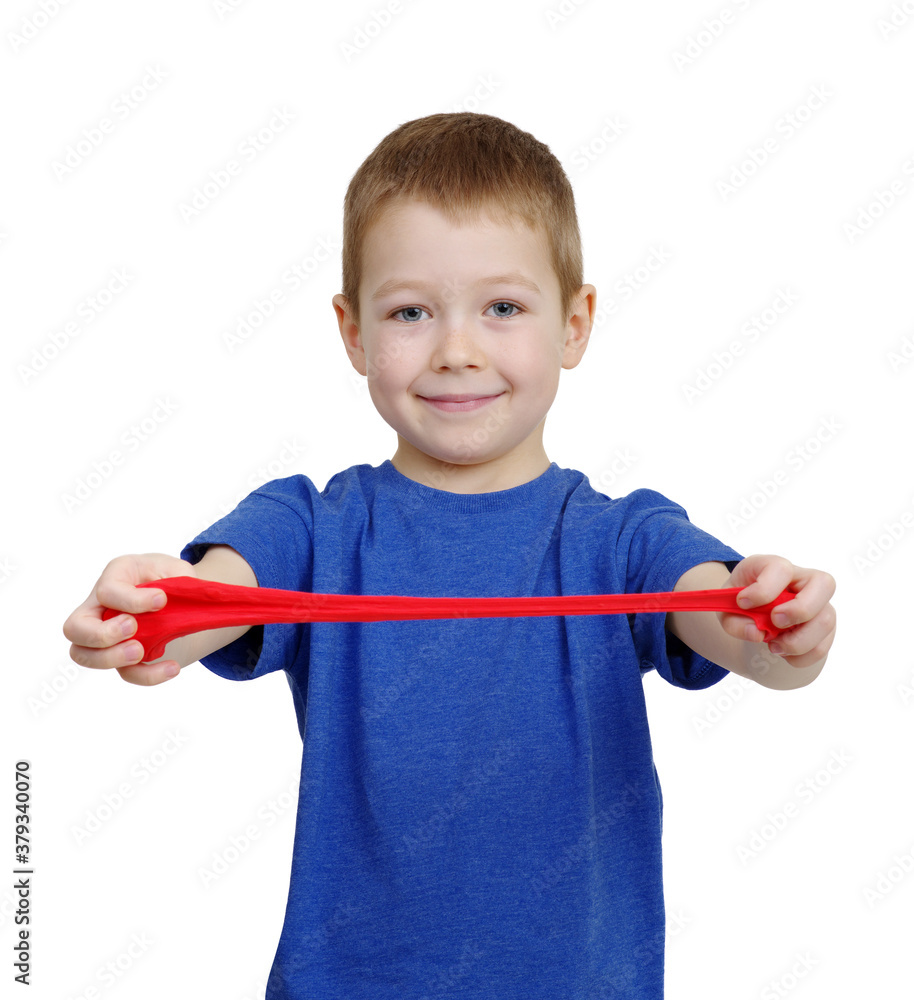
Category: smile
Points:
column 456, row 406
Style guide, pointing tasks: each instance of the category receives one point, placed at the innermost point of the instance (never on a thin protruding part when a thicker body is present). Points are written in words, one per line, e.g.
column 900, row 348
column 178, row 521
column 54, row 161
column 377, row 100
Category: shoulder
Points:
column 635, row 505
column 300, row 489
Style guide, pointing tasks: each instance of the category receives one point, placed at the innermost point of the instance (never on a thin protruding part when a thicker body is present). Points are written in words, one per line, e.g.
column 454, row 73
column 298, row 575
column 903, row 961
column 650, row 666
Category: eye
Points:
column 418, row 309
column 510, row 305
column 408, row 309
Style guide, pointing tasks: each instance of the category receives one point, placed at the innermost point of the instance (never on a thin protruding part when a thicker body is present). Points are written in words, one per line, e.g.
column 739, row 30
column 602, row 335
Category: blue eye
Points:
column 419, row 309
column 408, row 309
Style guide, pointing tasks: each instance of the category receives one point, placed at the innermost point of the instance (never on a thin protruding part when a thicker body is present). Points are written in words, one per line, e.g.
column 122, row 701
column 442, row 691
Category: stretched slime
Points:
column 194, row 605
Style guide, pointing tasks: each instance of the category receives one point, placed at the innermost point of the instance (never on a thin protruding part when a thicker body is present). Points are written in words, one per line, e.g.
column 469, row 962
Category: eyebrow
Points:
column 512, row 278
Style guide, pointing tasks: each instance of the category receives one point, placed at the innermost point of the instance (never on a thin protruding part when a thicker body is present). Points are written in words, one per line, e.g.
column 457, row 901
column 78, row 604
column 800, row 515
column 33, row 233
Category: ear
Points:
column 578, row 327
column 352, row 336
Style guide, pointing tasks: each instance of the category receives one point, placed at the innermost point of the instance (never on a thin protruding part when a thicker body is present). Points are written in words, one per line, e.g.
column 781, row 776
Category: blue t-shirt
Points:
column 479, row 813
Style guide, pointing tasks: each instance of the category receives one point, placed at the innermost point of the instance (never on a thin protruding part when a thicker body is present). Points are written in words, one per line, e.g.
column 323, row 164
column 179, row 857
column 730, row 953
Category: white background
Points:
column 833, row 376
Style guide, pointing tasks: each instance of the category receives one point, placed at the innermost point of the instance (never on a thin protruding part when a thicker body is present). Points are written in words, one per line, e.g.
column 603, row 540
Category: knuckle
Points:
column 107, row 593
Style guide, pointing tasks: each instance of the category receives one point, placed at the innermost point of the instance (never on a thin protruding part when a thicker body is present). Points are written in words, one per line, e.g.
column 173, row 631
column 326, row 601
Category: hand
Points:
column 809, row 616
column 104, row 644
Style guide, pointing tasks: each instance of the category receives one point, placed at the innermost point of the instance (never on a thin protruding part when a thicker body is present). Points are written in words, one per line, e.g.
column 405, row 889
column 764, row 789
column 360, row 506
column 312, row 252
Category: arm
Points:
column 223, row 564
column 102, row 644
column 733, row 641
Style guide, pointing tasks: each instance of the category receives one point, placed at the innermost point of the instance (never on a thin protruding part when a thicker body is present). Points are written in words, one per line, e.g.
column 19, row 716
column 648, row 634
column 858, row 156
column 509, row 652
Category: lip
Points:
column 457, row 402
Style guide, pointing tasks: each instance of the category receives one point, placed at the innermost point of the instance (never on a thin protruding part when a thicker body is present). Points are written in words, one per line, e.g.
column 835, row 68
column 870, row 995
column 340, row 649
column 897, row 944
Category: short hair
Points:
column 464, row 163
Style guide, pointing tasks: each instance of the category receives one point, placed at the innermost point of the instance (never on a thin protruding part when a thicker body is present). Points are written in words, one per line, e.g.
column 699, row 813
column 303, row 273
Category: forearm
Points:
column 704, row 632
column 190, row 648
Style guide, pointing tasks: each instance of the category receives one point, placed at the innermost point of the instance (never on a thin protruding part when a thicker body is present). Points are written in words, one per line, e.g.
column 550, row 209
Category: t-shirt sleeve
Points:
column 661, row 544
column 272, row 529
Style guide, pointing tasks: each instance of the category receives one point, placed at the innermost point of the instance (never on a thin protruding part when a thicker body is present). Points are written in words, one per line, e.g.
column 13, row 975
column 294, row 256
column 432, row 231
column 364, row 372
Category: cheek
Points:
column 531, row 370
column 390, row 359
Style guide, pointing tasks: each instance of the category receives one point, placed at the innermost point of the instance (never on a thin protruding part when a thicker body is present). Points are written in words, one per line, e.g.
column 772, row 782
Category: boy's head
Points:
column 443, row 204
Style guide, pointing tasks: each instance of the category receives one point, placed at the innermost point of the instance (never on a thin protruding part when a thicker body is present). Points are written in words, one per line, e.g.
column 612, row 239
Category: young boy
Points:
column 479, row 812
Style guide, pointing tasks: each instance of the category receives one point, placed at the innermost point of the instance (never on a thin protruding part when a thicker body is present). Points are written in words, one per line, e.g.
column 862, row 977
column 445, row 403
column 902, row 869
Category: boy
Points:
column 479, row 812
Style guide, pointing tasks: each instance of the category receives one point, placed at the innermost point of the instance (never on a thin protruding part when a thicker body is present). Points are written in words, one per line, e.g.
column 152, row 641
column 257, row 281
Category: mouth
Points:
column 456, row 402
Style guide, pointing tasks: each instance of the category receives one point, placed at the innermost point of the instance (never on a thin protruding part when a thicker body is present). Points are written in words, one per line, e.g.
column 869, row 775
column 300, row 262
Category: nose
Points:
column 456, row 348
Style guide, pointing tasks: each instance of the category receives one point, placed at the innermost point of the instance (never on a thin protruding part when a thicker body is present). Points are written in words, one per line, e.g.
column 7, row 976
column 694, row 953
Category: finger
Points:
column 815, row 589
column 772, row 574
column 815, row 634
column 120, row 596
column 120, row 655
column 810, row 657
column 740, row 627
column 85, row 626
column 150, row 674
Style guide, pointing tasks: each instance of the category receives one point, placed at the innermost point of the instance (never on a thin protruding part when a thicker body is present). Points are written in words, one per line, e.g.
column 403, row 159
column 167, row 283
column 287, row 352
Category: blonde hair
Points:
column 464, row 163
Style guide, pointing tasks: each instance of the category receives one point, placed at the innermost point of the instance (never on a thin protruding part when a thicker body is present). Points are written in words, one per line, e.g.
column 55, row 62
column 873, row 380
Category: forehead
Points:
column 416, row 231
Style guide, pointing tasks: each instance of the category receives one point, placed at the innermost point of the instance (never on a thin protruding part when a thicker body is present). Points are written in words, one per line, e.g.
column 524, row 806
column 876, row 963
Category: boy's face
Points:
column 450, row 331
